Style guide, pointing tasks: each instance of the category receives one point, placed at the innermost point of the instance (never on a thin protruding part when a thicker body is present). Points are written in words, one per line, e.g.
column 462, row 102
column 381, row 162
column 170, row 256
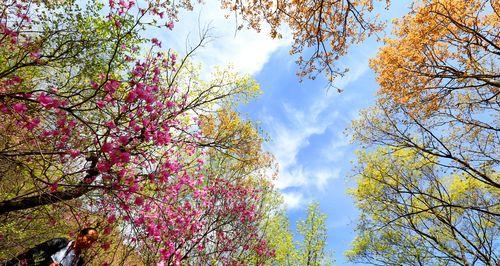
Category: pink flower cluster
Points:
column 137, row 125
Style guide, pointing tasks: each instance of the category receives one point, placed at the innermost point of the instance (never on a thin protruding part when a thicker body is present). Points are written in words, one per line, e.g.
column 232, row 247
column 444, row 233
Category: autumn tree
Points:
column 322, row 31
column 428, row 185
column 438, row 93
column 444, row 54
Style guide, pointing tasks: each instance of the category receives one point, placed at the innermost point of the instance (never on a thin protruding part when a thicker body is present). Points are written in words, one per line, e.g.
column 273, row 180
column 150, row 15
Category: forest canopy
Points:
column 106, row 127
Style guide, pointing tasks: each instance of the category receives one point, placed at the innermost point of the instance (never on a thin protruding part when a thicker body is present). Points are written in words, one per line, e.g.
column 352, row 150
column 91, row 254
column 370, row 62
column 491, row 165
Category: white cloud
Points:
column 293, row 200
column 323, row 176
column 334, row 151
column 290, row 138
column 246, row 49
column 292, row 178
column 292, row 134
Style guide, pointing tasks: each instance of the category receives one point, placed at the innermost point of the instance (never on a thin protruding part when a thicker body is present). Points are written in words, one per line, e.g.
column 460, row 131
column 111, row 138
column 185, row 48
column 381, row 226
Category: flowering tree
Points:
column 115, row 135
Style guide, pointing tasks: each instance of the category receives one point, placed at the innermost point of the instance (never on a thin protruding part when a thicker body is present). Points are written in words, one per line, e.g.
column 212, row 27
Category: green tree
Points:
column 280, row 238
column 312, row 249
column 414, row 212
column 277, row 232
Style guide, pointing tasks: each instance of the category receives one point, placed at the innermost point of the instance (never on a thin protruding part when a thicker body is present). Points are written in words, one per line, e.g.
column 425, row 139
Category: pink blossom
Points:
column 107, row 230
column 94, row 85
column 46, row 101
column 74, row 153
column 15, row 80
column 103, row 167
column 53, row 187
column 170, row 25
column 33, row 123
column 61, row 122
column 4, row 108
column 107, row 147
column 131, row 97
column 136, row 128
column 111, row 218
column 89, row 180
column 156, row 42
column 19, row 107
column 110, row 124
column 134, row 188
column 125, row 157
column 35, row 55
column 139, row 221
column 123, row 140
column 105, row 246
column 108, row 98
column 123, row 4
column 101, row 104
column 112, row 85
column 139, row 201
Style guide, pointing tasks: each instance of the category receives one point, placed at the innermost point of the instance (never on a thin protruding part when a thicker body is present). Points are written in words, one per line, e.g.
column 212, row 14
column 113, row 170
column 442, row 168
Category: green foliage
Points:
column 313, row 230
column 310, row 250
column 281, row 240
column 413, row 213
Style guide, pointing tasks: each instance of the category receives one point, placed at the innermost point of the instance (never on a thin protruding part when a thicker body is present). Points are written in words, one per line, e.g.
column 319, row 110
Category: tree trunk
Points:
column 53, row 197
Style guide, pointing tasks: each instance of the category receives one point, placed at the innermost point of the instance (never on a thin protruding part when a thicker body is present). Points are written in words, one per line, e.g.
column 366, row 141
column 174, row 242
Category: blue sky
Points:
column 306, row 123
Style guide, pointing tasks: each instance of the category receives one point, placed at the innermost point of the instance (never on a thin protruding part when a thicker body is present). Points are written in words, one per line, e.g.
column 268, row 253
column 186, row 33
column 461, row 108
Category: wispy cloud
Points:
column 322, row 177
column 335, row 150
column 246, row 50
column 295, row 127
column 294, row 200
column 295, row 177
column 290, row 138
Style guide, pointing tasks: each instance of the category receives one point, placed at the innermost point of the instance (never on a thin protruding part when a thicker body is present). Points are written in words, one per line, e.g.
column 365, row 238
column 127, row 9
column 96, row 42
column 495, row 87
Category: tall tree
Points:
column 414, row 212
column 432, row 188
column 277, row 233
column 312, row 249
column 442, row 54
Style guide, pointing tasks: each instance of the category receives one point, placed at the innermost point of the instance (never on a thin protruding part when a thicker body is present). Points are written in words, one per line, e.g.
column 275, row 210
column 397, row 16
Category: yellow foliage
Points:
column 443, row 46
